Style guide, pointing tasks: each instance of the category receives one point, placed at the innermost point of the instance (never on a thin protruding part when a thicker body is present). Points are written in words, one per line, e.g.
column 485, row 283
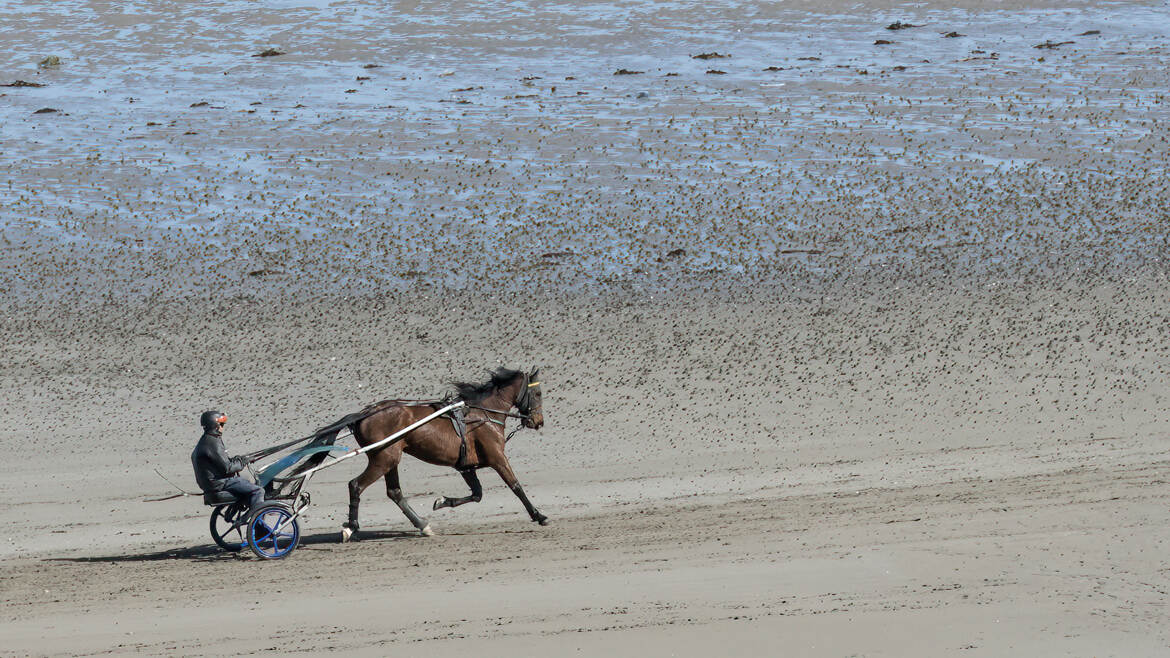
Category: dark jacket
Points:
column 212, row 464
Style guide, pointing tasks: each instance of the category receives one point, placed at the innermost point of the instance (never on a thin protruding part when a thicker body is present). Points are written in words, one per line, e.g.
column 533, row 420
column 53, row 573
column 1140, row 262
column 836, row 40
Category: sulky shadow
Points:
column 213, row 553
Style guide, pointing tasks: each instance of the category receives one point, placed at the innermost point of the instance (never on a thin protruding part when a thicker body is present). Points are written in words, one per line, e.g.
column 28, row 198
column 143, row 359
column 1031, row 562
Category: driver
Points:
column 214, row 471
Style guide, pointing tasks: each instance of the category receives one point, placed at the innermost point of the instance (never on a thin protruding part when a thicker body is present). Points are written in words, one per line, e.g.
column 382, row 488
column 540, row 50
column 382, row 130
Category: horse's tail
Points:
column 327, row 436
column 320, row 439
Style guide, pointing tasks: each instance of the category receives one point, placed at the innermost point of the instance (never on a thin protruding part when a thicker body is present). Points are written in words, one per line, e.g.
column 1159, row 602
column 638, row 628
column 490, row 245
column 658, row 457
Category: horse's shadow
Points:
column 213, row 553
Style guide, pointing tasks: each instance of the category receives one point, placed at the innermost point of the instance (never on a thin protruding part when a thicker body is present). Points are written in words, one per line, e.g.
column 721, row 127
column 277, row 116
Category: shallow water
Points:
column 488, row 135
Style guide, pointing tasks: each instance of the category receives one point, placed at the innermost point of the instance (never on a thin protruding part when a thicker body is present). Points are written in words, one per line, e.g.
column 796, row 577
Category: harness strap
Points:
column 509, row 414
column 481, row 421
column 459, row 424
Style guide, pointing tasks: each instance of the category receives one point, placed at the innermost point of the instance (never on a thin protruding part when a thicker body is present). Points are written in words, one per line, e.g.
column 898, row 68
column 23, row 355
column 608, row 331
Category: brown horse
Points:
column 436, row 442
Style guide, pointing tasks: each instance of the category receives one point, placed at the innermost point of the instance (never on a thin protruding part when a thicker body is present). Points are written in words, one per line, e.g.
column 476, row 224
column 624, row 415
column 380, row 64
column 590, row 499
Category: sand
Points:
column 863, row 475
column 835, row 363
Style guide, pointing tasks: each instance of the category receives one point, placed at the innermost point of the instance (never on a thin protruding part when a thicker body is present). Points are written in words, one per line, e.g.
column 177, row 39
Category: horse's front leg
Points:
column 502, row 467
column 476, row 492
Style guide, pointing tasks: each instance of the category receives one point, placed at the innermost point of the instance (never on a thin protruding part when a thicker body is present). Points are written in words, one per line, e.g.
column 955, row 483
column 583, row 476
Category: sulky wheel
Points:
column 271, row 533
column 227, row 535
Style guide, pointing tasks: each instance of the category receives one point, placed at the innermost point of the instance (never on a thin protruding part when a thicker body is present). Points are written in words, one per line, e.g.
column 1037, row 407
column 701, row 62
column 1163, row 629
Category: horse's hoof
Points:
column 346, row 533
column 440, row 503
column 426, row 531
column 543, row 520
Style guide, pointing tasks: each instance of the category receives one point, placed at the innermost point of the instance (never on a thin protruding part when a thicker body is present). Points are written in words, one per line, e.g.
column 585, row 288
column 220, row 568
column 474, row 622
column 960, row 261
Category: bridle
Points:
column 523, row 405
column 524, row 400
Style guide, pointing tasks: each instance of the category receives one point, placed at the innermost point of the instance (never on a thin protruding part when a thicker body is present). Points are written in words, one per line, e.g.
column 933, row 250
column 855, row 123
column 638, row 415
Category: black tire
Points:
column 227, row 538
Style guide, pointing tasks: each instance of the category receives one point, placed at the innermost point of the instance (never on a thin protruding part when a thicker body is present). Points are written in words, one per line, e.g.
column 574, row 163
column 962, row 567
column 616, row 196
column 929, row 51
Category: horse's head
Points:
column 528, row 401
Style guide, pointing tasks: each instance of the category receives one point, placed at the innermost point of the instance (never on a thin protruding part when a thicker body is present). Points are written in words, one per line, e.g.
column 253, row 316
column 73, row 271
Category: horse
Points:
column 437, row 442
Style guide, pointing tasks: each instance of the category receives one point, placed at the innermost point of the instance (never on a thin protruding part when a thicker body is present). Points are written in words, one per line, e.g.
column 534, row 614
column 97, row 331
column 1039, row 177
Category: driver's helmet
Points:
column 211, row 420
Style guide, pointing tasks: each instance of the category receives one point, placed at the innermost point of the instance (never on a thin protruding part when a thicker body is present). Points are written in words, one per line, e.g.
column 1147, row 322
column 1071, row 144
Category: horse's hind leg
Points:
column 502, row 467
column 394, row 490
column 356, row 487
column 476, row 492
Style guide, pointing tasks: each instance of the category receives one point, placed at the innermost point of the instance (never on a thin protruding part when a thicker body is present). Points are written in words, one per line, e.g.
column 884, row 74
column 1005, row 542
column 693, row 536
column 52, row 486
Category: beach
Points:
column 847, row 348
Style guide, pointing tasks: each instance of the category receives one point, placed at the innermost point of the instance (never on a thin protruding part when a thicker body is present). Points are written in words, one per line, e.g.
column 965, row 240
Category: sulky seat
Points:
column 218, row 498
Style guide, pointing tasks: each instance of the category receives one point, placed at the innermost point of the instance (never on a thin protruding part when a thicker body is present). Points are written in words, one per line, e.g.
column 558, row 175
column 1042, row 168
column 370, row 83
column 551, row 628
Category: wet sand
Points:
column 495, row 144
column 836, row 363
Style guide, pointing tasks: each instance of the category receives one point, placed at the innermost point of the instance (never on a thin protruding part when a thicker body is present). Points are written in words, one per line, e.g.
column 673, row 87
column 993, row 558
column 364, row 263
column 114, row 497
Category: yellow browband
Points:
column 534, row 384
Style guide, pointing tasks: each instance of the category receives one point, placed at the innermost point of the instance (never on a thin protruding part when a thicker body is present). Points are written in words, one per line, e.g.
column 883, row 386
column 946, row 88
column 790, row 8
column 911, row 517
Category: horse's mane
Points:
column 472, row 393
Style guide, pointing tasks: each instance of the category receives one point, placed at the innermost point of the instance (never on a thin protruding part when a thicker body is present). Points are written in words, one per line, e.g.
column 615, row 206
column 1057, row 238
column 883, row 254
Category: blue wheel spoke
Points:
column 274, row 533
column 270, row 537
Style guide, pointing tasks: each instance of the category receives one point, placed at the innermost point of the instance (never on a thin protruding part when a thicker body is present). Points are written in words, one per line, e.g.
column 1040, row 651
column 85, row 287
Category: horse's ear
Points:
column 534, row 374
